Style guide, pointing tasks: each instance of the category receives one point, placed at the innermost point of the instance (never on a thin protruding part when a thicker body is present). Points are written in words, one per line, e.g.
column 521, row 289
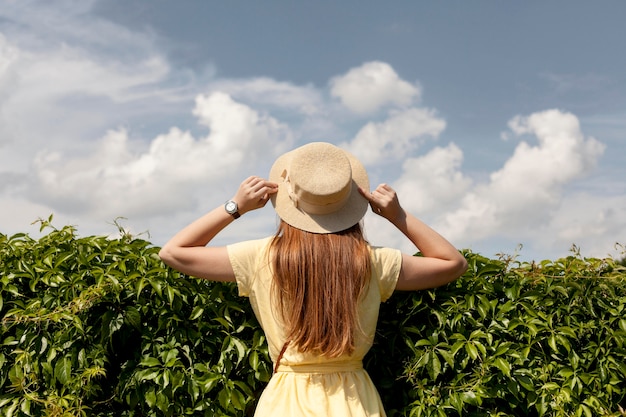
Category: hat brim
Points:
column 347, row 216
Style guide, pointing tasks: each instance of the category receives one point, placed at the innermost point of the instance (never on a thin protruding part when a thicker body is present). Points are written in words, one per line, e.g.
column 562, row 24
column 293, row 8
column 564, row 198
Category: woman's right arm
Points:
column 188, row 252
column 441, row 262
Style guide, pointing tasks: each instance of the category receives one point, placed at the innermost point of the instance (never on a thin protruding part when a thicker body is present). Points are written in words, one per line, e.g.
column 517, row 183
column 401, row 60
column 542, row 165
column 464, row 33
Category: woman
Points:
column 316, row 286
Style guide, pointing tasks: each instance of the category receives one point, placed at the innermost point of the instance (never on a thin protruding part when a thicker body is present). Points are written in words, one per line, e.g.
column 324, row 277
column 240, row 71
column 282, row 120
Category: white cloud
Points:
column 396, row 137
column 72, row 71
column 267, row 91
column 115, row 181
column 433, row 182
column 562, row 155
column 305, row 108
column 532, row 200
column 594, row 224
column 520, row 198
column 236, row 126
column 373, row 85
column 564, row 83
column 69, row 71
column 56, row 94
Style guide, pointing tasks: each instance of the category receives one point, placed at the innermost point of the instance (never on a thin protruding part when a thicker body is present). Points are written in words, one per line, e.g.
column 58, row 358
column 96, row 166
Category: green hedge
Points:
column 100, row 327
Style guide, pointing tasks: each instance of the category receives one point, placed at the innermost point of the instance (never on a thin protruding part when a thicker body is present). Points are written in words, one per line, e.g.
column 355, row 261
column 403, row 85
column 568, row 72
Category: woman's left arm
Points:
column 187, row 251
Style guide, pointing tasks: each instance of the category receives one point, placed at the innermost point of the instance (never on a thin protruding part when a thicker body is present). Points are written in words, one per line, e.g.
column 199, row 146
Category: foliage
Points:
column 100, row 327
column 509, row 338
column 93, row 326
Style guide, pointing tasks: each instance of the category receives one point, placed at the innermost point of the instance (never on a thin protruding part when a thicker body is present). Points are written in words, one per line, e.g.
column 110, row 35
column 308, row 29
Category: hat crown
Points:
column 319, row 178
column 318, row 187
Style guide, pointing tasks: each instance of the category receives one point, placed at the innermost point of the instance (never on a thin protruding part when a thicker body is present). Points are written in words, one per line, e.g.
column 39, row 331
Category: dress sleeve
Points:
column 386, row 265
column 244, row 258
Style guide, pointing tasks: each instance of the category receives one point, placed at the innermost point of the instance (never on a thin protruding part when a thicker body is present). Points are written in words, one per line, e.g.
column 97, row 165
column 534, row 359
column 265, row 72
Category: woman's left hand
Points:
column 254, row 193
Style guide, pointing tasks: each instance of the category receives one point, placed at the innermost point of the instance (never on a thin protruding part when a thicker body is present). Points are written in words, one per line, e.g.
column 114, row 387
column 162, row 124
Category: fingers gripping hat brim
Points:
column 316, row 169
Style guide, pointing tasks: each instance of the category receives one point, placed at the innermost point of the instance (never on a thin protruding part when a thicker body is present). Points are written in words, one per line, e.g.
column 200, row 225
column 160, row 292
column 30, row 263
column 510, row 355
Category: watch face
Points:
column 231, row 207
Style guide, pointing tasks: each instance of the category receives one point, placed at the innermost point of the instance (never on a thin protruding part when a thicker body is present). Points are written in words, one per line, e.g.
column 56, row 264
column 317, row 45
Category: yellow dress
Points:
column 306, row 384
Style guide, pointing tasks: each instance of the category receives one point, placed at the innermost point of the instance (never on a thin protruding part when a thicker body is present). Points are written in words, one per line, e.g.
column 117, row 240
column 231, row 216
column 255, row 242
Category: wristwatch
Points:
column 231, row 208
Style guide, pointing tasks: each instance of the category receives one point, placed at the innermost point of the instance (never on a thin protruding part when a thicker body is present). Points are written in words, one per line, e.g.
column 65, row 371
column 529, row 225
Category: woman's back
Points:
column 318, row 280
column 308, row 383
column 254, row 277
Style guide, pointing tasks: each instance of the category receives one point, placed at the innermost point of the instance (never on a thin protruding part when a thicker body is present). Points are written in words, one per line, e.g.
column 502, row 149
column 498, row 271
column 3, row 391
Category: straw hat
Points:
column 318, row 188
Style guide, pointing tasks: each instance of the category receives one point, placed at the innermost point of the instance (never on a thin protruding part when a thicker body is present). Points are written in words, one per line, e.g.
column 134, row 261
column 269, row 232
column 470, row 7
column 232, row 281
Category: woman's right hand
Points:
column 384, row 202
column 254, row 193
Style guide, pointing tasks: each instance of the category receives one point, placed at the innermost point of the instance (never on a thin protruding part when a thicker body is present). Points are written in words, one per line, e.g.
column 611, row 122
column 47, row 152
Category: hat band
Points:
column 310, row 207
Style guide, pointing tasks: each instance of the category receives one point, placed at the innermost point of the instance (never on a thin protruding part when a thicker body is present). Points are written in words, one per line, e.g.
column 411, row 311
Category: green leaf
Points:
column 472, row 351
column 63, row 370
column 170, row 294
column 253, row 360
column 470, row 397
column 224, row 397
column 11, row 409
column 503, row 366
column 240, row 348
column 447, row 356
column 434, row 366
column 196, row 313
column 25, row 406
column 132, row 316
column 147, row 374
column 157, row 287
column 150, row 362
column 456, row 401
column 551, row 386
column 150, row 397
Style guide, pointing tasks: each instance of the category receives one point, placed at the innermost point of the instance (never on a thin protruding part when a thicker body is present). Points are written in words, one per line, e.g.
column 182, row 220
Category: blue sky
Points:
column 499, row 123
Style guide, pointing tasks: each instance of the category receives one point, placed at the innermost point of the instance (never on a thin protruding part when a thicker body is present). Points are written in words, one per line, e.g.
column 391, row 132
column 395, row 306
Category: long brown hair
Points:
column 318, row 281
